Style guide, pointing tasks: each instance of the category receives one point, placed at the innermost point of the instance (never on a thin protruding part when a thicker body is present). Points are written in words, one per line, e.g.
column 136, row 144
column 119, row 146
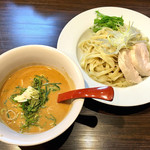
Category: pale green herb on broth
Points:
column 52, row 118
column 8, row 115
column 5, row 101
column 32, row 106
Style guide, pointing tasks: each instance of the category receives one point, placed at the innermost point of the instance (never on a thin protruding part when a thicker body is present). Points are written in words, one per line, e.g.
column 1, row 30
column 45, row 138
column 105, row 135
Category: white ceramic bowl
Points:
column 130, row 96
column 45, row 55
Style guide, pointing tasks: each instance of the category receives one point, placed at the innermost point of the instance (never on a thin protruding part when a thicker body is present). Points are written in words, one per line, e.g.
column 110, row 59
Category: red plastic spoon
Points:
column 104, row 92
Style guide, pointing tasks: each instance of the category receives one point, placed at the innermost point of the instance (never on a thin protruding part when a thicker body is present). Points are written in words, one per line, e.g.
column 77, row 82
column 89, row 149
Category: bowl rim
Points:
column 130, row 96
column 68, row 119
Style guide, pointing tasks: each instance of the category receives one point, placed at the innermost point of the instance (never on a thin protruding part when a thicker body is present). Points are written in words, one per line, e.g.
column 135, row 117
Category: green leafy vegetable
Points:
column 32, row 106
column 52, row 118
column 107, row 21
column 53, row 86
column 5, row 101
column 21, row 90
column 8, row 116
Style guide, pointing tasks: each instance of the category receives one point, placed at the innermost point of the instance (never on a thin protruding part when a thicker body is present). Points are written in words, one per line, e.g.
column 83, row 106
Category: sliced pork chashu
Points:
column 126, row 66
column 140, row 59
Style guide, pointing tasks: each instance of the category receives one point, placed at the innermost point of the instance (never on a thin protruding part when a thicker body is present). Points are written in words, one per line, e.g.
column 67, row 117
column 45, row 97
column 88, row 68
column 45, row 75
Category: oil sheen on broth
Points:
column 50, row 114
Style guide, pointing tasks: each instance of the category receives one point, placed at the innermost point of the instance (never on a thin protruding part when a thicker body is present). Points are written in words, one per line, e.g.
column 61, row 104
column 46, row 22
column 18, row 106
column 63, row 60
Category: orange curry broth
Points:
column 23, row 78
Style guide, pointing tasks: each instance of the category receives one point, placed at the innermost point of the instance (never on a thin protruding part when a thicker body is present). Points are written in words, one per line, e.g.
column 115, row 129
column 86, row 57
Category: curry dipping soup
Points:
column 28, row 99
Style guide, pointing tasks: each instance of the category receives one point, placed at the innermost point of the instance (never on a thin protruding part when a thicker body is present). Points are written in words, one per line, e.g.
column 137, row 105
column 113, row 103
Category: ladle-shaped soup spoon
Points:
column 103, row 92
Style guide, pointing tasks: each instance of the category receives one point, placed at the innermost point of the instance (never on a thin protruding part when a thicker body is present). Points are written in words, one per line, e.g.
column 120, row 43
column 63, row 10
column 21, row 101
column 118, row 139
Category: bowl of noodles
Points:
column 32, row 78
column 111, row 47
